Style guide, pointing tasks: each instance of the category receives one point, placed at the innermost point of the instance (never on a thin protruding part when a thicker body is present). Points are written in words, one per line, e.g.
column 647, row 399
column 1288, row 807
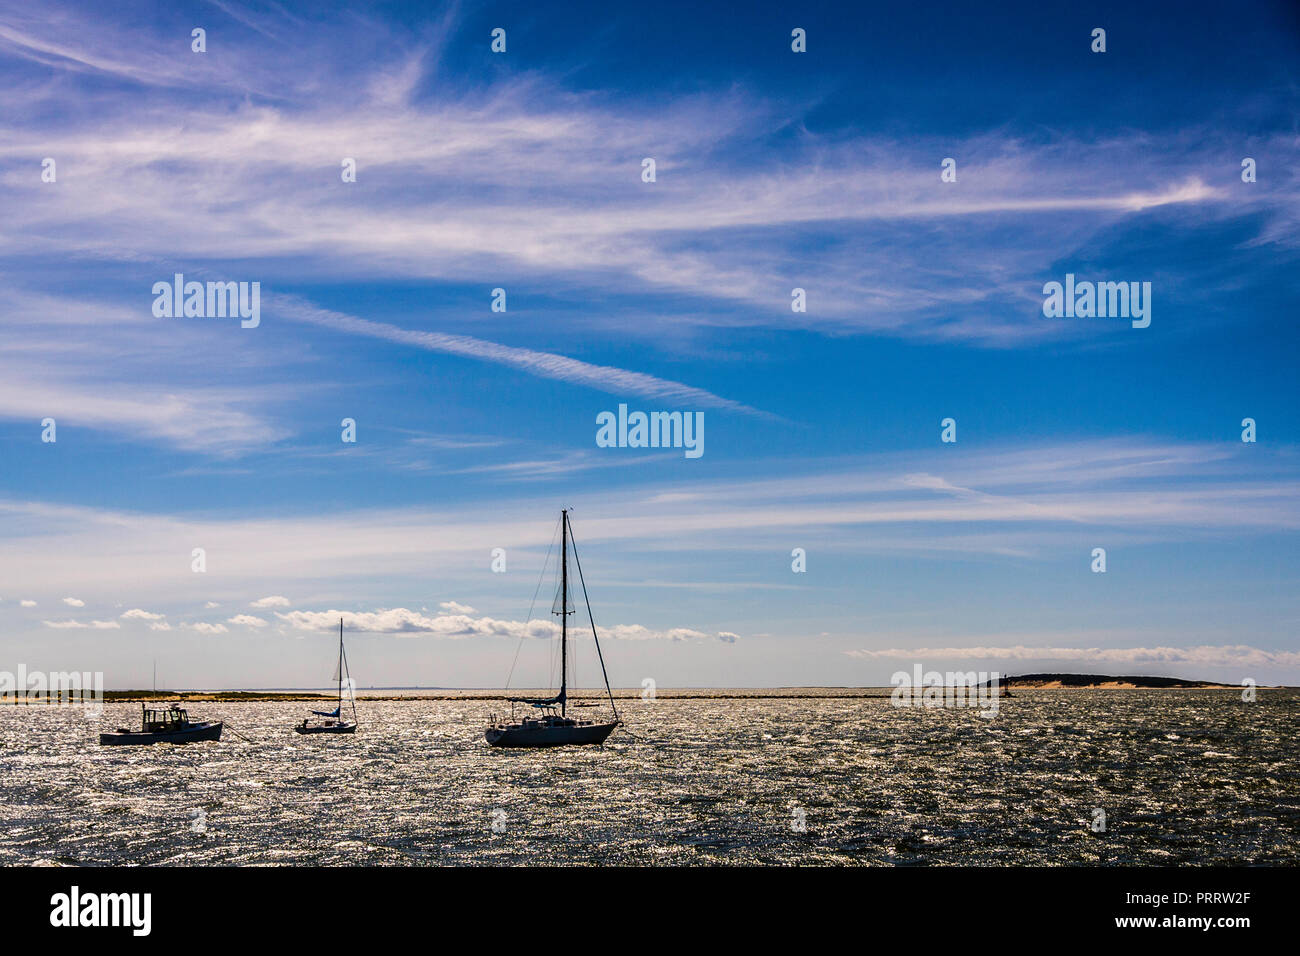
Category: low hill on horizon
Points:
column 1105, row 680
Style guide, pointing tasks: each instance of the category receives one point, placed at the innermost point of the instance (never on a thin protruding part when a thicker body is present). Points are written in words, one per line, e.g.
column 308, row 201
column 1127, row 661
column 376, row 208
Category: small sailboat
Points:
column 335, row 724
column 552, row 726
column 169, row 725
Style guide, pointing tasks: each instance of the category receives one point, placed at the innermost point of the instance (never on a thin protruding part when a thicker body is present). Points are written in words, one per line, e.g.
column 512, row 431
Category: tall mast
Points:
column 340, row 670
column 564, row 610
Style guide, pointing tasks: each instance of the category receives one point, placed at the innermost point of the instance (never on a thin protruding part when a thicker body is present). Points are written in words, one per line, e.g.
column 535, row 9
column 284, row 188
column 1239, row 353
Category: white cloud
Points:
column 403, row 621
column 92, row 625
column 211, row 604
column 456, row 608
column 246, row 620
column 637, row 632
column 74, row 602
column 275, row 600
column 138, row 614
column 406, row 622
column 203, row 627
column 27, row 603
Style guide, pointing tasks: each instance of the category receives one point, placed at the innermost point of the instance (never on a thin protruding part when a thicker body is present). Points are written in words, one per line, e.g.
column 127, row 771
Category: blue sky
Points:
column 774, row 170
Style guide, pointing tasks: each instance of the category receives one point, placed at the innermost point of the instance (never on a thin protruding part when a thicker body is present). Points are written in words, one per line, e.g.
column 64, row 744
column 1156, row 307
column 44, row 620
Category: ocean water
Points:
column 1184, row 777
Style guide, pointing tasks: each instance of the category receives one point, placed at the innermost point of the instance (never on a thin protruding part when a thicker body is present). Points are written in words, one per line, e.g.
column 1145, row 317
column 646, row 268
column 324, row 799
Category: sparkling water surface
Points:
column 1184, row 777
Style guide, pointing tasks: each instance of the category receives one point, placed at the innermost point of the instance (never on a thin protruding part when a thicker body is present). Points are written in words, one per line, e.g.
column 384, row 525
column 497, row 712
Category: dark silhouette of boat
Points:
column 553, row 727
column 549, row 730
column 164, row 726
column 336, row 725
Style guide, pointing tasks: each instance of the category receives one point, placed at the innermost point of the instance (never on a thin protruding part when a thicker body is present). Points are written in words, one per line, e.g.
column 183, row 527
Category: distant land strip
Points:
column 1024, row 681
column 1106, row 682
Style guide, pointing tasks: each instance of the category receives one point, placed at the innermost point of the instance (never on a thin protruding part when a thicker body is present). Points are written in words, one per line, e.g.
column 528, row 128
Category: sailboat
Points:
column 552, row 726
column 335, row 725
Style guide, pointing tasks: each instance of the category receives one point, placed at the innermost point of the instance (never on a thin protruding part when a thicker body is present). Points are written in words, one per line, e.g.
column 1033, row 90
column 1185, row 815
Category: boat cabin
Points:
column 163, row 719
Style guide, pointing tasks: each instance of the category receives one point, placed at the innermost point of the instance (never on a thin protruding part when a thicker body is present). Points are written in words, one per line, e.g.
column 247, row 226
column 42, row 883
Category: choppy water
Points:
column 1183, row 777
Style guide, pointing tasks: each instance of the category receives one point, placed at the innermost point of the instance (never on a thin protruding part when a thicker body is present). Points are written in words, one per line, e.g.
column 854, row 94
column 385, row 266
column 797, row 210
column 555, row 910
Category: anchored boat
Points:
column 552, row 726
column 335, row 724
column 171, row 725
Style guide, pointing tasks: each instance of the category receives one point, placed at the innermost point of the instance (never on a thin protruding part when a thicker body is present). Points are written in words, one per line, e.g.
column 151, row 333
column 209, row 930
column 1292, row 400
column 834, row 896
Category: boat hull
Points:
column 333, row 729
column 519, row 735
column 209, row 730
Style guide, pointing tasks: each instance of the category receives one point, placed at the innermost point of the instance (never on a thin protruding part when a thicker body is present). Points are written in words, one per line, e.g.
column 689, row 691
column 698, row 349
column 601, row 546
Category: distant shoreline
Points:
column 1050, row 682
column 1107, row 682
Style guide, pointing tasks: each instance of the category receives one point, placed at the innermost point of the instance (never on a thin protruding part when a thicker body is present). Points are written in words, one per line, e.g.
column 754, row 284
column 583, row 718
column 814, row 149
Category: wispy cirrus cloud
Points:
column 203, row 419
column 1012, row 500
column 520, row 182
column 524, row 180
column 615, row 381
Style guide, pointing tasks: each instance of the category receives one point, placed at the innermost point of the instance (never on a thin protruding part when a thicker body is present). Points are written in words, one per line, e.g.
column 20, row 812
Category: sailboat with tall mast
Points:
column 552, row 726
column 336, row 724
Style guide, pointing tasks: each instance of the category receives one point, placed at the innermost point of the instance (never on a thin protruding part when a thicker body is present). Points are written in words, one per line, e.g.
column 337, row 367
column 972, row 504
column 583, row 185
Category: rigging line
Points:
column 352, row 694
column 536, row 592
column 592, row 619
column 227, row 726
